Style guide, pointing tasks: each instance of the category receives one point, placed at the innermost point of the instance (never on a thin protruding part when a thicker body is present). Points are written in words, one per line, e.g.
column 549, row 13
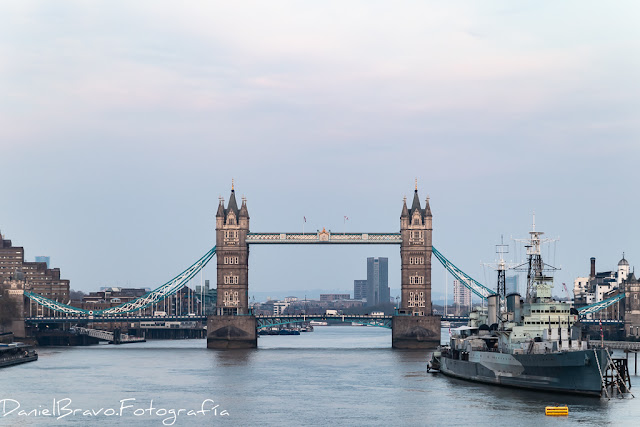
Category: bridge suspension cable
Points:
column 153, row 297
column 55, row 305
column 476, row 287
column 601, row 305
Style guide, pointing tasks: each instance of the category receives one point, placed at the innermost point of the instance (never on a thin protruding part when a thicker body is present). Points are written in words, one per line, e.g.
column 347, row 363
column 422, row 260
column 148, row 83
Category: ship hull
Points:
column 574, row 372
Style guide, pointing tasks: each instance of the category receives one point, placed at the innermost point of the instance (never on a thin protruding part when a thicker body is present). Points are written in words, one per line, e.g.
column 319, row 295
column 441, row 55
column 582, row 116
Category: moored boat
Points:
column 16, row 353
column 534, row 343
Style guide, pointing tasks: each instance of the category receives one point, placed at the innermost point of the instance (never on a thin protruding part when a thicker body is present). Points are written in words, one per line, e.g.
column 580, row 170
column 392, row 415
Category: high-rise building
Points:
column 511, row 284
column 359, row 289
column 38, row 278
column 461, row 296
column 45, row 259
column 377, row 281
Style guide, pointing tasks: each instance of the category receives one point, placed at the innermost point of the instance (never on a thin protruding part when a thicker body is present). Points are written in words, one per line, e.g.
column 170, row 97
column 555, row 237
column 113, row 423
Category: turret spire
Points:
column 220, row 212
column 233, row 205
column 243, row 208
column 416, row 202
column 427, row 207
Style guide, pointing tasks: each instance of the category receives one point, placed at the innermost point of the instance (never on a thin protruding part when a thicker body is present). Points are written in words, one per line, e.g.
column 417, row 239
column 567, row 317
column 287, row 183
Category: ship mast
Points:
column 501, row 267
column 535, row 266
column 535, row 258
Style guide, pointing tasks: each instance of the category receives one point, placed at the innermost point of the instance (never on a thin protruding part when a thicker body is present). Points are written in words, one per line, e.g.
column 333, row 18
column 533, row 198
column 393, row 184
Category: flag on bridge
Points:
column 305, row 218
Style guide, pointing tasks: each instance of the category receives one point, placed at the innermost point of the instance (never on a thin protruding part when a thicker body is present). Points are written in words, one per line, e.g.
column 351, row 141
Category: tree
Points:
column 76, row 295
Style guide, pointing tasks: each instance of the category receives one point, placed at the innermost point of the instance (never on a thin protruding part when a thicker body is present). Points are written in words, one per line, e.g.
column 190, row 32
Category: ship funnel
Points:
column 492, row 303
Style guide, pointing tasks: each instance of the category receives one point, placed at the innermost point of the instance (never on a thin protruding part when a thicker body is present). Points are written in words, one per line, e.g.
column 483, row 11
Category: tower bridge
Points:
column 234, row 326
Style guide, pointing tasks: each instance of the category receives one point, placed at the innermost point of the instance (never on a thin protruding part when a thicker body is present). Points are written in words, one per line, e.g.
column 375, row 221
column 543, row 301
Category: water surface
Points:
column 334, row 376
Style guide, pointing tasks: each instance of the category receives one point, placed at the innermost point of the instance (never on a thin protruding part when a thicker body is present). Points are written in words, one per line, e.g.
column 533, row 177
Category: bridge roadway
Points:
column 110, row 319
column 263, row 320
column 324, row 237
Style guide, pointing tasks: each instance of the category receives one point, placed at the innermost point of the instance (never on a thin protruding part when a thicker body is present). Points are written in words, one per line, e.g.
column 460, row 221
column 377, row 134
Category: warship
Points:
column 532, row 343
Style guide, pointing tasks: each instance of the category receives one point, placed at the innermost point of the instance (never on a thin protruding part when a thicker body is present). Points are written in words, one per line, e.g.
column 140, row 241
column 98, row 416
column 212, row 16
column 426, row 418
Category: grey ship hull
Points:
column 574, row 372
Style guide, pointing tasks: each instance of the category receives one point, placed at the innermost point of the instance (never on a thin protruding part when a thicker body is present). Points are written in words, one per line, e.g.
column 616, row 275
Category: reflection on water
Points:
column 335, row 375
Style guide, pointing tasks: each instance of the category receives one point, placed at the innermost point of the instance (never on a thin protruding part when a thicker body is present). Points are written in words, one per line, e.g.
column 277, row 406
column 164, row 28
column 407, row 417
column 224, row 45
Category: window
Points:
column 230, row 299
column 416, row 236
column 416, row 299
column 416, row 280
column 231, row 280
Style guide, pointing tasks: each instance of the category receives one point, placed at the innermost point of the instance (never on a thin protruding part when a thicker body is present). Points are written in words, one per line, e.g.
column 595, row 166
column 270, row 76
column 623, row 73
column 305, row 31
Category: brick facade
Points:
column 39, row 279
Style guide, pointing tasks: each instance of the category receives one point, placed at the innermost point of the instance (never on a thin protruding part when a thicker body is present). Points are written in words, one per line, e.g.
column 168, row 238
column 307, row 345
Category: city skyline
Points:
column 141, row 126
column 272, row 213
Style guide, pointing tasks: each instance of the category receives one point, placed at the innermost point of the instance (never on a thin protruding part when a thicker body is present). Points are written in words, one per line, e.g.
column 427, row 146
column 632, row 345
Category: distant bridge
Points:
column 455, row 318
column 112, row 337
column 620, row 345
column 270, row 321
column 604, row 321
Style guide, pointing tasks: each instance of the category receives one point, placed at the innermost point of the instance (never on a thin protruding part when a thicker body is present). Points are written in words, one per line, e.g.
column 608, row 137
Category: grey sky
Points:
column 121, row 124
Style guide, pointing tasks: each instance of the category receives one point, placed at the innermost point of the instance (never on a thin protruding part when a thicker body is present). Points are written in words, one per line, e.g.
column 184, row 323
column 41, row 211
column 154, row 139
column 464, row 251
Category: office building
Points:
column 378, row 281
column 279, row 307
column 209, row 297
column 359, row 289
column 38, row 278
column 44, row 259
column 511, row 284
column 334, row 297
column 461, row 297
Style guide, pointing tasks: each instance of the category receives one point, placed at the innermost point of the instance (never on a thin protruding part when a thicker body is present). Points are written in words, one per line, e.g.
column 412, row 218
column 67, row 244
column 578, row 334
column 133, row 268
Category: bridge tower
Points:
column 415, row 254
column 232, row 253
column 415, row 326
column 232, row 326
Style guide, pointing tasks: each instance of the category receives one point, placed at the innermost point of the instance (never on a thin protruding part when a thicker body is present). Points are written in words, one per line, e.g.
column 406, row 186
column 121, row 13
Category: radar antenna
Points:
column 534, row 266
column 501, row 267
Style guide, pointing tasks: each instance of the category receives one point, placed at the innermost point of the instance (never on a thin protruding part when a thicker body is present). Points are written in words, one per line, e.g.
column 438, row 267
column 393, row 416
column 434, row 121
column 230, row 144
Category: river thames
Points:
column 336, row 375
